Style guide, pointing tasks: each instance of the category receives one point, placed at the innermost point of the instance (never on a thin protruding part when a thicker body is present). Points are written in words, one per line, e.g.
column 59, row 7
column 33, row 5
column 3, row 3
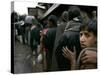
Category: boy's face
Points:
column 87, row 39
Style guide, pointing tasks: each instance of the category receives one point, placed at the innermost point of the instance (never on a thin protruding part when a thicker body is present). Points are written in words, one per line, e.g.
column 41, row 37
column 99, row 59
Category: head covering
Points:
column 65, row 16
column 73, row 11
column 53, row 19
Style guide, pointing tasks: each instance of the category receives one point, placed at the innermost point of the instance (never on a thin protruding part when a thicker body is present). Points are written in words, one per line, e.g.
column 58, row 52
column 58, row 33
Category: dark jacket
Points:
column 59, row 32
column 49, row 45
column 70, row 38
column 50, row 38
column 35, row 38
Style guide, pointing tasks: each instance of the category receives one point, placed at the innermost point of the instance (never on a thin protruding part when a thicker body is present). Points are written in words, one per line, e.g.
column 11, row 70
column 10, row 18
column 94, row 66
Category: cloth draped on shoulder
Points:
column 80, row 55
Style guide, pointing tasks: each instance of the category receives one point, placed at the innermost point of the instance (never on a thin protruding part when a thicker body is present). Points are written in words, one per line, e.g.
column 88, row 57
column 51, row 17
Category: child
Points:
column 88, row 56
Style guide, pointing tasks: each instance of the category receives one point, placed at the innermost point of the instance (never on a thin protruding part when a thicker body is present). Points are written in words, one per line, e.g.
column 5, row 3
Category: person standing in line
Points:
column 60, row 29
column 49, row 39
column 35, row 38
column 69, row 38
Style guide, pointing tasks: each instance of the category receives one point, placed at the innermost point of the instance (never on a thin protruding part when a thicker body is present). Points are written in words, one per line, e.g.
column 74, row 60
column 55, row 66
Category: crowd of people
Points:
column 68, row 42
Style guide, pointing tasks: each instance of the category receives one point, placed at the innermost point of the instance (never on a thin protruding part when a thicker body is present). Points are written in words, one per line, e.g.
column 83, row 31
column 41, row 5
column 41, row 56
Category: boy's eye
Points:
column 80, row 34
column 86, row 34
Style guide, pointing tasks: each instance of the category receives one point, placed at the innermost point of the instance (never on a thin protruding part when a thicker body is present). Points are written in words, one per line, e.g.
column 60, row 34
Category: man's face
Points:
column 87, row 39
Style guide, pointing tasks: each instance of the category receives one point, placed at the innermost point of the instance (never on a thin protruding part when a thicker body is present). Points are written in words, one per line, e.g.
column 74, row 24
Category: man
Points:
column 50, row 38
column 60, row 30
column 69, row 38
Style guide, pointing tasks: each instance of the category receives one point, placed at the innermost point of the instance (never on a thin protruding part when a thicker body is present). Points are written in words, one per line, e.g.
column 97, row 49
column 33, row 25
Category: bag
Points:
column 39, row 58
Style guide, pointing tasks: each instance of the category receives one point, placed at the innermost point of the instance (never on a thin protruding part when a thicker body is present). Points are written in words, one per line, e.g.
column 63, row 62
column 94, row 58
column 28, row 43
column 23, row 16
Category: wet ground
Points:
column 23, row 60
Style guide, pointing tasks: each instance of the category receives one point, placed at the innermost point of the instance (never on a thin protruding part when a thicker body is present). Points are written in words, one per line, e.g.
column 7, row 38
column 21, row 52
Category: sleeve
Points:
column 33, row 39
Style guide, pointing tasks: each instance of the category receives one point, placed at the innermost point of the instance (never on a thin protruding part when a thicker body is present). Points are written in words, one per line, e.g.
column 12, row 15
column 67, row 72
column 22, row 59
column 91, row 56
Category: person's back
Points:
column 70, row 38
column 60, row 29
column 50, row 38
column 35, row 35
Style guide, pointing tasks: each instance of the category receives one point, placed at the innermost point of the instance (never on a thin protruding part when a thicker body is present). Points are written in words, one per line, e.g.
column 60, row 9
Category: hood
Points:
column 73, row 26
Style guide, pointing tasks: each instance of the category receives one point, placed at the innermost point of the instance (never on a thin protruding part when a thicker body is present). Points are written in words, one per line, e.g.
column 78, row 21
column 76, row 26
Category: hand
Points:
column 41, row 33
column 70, row 56
column 89, row 57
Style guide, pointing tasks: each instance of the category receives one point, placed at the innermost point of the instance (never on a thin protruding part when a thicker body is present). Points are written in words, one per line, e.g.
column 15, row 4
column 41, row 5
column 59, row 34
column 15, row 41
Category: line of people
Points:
column 65, row 43
column 72, row 44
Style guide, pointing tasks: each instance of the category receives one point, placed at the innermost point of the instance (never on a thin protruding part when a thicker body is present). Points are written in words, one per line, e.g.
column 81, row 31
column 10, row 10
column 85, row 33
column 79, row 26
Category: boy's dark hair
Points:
column 90, row 26
column 53, row 19
column 73, row 12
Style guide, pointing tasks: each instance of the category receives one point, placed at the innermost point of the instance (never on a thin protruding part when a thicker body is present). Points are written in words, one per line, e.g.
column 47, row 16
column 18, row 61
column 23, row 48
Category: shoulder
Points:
column 52, row 30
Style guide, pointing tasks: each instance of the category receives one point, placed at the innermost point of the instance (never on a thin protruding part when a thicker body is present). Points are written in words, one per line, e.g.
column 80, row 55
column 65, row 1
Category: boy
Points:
column 88, row 40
